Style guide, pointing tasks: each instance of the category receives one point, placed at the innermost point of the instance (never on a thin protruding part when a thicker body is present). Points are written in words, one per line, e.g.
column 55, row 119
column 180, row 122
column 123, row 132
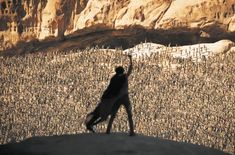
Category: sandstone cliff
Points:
column 27, row 20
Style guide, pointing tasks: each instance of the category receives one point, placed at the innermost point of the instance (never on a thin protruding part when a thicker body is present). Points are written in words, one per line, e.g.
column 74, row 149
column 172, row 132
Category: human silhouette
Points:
column 113, row 97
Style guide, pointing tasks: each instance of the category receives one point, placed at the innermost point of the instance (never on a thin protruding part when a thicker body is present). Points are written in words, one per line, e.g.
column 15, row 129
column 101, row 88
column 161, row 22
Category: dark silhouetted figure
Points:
column 113, row 97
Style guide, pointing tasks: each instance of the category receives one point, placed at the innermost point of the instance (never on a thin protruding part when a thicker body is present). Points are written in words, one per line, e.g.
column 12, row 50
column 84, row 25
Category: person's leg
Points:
column 128, row 108
column 114, row 112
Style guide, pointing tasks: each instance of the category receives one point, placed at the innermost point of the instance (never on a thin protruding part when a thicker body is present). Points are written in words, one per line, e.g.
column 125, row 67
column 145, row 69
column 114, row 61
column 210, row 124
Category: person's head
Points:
column 119, row 70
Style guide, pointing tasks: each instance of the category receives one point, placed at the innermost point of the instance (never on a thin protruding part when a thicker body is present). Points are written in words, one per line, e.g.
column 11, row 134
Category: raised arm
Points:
column 130, row 68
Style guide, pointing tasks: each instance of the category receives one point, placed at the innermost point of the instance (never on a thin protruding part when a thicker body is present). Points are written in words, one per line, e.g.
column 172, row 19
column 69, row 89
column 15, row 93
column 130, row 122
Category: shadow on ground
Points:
column 101, row 144
column 109, row 38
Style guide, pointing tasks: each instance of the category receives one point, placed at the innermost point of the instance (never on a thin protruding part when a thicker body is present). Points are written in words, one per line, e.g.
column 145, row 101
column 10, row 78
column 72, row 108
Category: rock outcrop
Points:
column 27, row 20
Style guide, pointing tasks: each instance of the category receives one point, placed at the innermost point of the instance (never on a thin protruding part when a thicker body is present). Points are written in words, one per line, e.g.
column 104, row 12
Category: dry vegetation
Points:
column 50, row 94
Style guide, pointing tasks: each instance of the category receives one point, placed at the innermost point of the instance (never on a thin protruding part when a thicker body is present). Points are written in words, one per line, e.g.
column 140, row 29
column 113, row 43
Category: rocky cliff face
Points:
column 27, row 20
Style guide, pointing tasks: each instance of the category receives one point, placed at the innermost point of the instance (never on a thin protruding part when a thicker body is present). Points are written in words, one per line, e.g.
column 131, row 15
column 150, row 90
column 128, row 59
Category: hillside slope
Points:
column 100, row 144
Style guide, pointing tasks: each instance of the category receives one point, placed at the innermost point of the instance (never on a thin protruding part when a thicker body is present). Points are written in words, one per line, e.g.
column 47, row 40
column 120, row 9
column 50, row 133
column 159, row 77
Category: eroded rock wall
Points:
column 41, row 19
